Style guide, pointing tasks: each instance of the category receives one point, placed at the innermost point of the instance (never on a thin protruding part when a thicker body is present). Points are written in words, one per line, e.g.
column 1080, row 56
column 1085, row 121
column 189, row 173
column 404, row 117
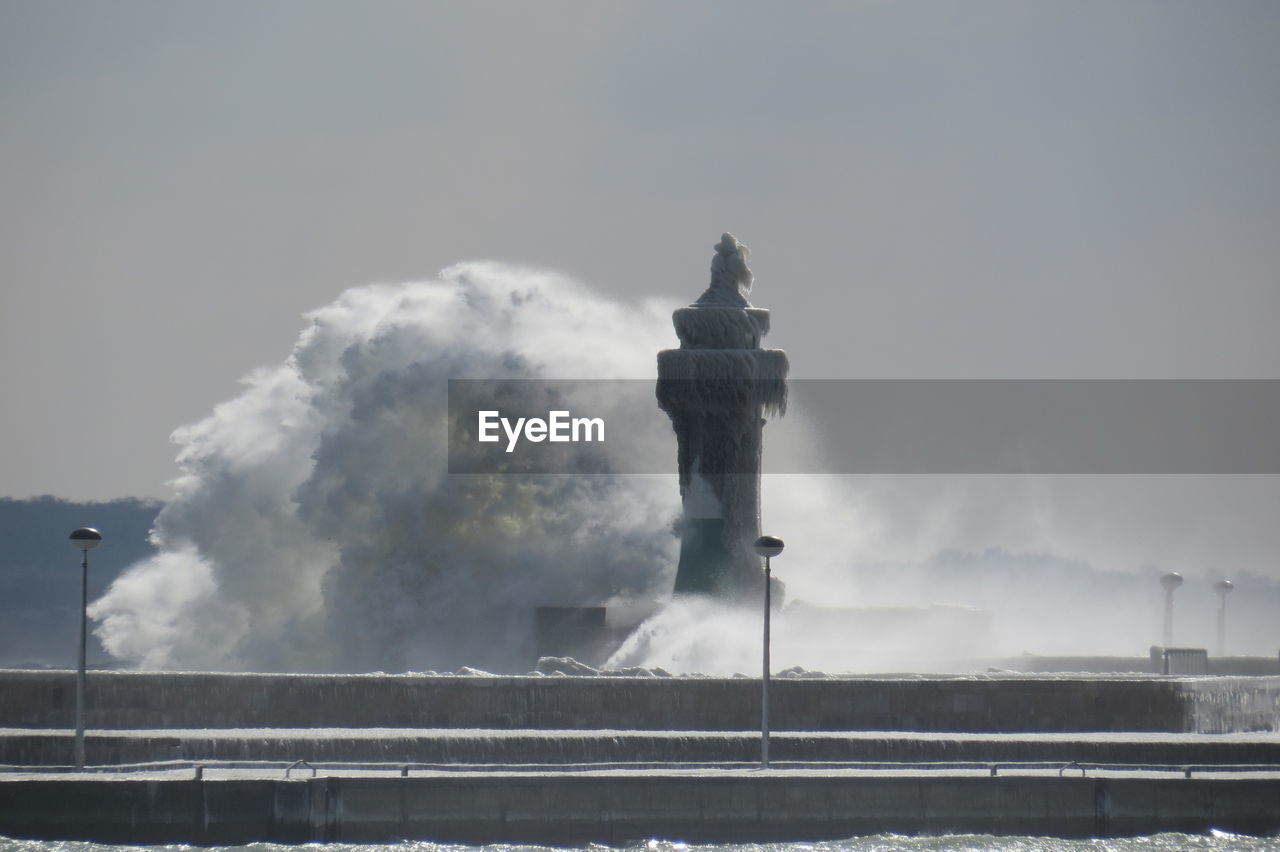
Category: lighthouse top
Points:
column 730, row 277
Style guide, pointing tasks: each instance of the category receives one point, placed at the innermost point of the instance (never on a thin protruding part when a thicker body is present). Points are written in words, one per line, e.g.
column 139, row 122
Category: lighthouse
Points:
column 718, row 389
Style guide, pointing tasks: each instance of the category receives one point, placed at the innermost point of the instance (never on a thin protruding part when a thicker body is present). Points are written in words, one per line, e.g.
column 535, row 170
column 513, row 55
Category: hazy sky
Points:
column 977, row 189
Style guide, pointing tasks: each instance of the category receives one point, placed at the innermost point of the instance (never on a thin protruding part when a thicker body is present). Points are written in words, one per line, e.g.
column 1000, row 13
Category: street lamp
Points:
column 768, row 547
column 1170, row 581
column 1222, row 587
column 85, row 538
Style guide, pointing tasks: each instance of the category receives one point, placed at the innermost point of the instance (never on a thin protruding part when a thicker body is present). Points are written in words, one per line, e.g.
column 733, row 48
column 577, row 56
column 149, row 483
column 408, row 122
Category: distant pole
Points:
column 1222, row 587
column 1170, row 581
column 85, row 538
column 768, row 547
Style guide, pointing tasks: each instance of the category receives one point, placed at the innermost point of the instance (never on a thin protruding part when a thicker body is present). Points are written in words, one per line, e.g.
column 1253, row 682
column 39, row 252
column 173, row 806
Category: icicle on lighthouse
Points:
column 717, row 388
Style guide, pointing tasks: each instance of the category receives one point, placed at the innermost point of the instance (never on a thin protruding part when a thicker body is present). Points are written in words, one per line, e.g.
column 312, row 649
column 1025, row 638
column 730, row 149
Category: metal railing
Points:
column 405, row 770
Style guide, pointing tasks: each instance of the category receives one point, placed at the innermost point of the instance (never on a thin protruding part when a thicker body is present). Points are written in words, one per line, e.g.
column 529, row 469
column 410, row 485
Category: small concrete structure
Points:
column 580, row 632
column 1180, row 661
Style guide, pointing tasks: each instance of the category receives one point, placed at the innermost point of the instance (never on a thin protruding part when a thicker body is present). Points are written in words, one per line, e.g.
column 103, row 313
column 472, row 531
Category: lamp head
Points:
column 1171, row 581
column 1223, row 586
column 767, row 545
column 86, row 538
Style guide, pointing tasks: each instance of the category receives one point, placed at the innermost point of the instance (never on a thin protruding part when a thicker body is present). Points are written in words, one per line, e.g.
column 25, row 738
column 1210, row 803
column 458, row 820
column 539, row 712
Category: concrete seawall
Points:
column 119, row 700
column 621, row 808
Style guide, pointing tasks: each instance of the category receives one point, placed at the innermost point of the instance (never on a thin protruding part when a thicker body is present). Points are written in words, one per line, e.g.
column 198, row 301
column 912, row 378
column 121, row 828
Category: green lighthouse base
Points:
column 705, row 567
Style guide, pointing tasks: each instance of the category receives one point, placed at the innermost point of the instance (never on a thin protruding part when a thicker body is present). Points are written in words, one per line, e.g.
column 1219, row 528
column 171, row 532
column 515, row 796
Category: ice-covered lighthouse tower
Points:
column 717, row 389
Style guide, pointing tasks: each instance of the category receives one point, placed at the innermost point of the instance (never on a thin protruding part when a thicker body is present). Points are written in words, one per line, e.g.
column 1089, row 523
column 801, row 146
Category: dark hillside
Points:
column 40, row 572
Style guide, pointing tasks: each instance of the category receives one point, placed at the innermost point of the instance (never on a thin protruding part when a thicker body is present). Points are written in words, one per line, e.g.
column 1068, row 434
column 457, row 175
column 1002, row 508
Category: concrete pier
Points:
column 570, row 760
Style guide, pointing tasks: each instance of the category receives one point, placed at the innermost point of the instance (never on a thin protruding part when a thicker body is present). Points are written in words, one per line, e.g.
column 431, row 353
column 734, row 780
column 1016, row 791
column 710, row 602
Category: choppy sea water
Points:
column 1214, row 842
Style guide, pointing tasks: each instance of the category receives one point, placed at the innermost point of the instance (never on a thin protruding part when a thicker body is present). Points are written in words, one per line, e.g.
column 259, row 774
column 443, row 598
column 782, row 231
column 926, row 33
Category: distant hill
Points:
column 40, row 572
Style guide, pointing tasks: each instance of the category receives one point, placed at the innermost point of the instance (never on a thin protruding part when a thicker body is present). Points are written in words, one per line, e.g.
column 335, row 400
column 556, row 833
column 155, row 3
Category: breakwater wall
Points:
column 577, row 808
column 1025, row 703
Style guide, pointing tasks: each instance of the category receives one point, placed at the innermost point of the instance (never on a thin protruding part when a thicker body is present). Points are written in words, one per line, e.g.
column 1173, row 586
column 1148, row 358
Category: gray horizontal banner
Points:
column 875, row 426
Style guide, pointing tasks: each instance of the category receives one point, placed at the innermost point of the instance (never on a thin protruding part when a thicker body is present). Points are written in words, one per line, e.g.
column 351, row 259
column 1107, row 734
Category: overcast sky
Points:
column 977, row 189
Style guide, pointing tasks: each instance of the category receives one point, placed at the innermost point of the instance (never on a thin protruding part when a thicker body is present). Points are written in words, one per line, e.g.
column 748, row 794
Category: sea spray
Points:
column 314, row 526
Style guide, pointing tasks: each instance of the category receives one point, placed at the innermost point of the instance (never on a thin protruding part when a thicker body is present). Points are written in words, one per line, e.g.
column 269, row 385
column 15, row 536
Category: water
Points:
column 1216, row 841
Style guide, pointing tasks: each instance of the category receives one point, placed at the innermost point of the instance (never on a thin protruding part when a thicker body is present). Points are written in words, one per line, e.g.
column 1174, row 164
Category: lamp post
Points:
column 1170, row 581
column 768, row 547
column 85, row 538
column 1222, row 587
